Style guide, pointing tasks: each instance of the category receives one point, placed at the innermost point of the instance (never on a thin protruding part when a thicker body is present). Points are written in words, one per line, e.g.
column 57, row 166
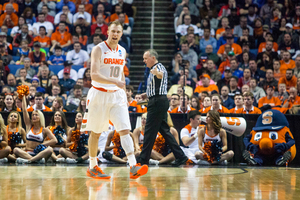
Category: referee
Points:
column 157, row 110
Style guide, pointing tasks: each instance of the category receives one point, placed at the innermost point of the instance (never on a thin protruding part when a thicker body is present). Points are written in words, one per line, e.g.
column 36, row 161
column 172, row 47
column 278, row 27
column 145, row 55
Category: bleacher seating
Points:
column 14, row 68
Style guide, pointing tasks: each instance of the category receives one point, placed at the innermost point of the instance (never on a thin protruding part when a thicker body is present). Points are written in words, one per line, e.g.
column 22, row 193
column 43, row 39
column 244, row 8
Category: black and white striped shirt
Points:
column 157, row 86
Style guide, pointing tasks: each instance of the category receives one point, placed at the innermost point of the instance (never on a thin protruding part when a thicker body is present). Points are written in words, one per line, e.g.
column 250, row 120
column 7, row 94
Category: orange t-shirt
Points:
column 47, row 109
column 254, row 110
column 14, row 18
column 46, row 40
column 61, row 38
column 288, row 83
column 141, row 109
column 176, row 110
column 262, row 47
column 210, row 88
column 223, row 65
column 284, row 66
column 221, row 110
column 234, row 47
column 277, row 76
column 83, row 40
column 274, row 101
column 220, row 30
column 132, row 106
column 296, row 102
column 114, row 17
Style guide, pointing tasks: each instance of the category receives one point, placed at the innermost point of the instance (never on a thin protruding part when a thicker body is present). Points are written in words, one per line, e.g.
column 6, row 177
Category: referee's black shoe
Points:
column 179, row 162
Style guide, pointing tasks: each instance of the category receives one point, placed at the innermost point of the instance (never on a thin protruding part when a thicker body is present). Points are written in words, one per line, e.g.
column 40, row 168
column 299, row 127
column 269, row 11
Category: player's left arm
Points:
column 224, row 139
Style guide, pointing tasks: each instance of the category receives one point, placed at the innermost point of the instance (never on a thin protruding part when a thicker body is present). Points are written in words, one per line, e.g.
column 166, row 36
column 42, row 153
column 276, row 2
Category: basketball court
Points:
column 24, row 182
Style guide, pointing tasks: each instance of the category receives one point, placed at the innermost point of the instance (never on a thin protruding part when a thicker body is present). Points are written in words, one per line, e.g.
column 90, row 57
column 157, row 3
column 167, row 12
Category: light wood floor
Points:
column 70, row 182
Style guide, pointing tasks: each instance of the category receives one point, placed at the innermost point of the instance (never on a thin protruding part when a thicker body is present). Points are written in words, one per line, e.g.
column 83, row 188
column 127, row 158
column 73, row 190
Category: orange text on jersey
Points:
column 114, row 61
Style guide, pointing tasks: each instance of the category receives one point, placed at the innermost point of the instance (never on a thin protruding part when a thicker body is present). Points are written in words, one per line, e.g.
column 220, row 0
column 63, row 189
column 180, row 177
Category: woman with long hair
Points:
column 17, row 29
column 213, row 131
column 9, row 103
column 15, row 132
column 195, row 103
column 266, row 62
column 82, row 105
column 287, row 10
column 37, row 148
column 206, row 7
column 82, row 38
column 4, row 148
column 28, row 16
column 245, row 60
column 58, row 105
column 87, row 81
column 59, row 127
column 76, row 150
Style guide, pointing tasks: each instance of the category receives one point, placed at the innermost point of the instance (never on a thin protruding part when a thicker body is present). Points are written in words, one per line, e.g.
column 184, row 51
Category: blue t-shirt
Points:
column 57, row 59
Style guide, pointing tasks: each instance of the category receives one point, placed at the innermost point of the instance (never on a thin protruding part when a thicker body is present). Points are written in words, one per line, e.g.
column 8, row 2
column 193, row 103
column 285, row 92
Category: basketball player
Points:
column 107, row 100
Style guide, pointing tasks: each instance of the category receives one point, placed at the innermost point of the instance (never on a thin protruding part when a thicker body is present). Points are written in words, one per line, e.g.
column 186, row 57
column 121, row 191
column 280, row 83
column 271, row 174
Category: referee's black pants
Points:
column 157, row 122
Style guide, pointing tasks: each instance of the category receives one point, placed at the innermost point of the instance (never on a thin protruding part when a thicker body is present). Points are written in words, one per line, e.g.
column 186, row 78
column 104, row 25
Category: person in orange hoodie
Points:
column 216, row 105
column 248, row 107
column 289, row 79
column 234, row 47
column 286, row 62
column 9, row 18
column 183, row 106
column 269, row 99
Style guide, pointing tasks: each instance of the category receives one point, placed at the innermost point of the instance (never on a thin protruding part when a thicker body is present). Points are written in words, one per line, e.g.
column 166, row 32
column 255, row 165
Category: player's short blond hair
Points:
column 117, row 23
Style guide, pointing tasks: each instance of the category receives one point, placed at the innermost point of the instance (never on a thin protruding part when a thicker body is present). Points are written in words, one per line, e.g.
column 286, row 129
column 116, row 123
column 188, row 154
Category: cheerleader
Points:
column 4, row 148
column 211, row 132
column 76, row 150
column 59, row 127
column 37, row 148
column 15, row 133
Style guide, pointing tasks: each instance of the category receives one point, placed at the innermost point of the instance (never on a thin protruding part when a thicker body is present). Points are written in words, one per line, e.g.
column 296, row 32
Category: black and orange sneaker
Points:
column 138, row 170
column 96, row 173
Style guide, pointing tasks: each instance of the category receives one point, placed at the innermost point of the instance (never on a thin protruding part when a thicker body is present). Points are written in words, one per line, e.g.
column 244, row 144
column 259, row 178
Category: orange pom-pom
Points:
column 75, row 136
column 159, row 144
column 22, row 90
column 116, row 140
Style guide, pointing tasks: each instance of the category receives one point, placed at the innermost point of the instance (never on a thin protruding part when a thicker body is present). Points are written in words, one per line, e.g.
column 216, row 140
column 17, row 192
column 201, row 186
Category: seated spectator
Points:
column 55, row 93
column 205, row 24
column 61, row 37
column 23, row 36
column 44, row 75
column 227, row 33
column 174, row 102
column 266, row 62
column 269, row 99
column 214, row 22
column 286, row 62
column 292, row 100
column 255, row 72
column 96, row 40
column 126, row 7
column 58, row 105
column 226, row 79
column 234, row 69
column 42, row 38
column 282, row 94
column 36, row 56
column 29, row 16
column 289, row 29
column 227, row 58
column 234, row 47
column 28, row 4
column 262, row 45
column 190, row 29
column 30, row 72
column 23, row 80
column 85, row 90
column 248, row 107
column 195, row 103
column 48, row 18
column 276, row 67
column 9, row 103
column 83, row 39
column 73, row 100
column 245, row 49
column 269, row 81
column 183, row 105
column 269, row 48
column 9, row 18
column 88, row 7
column 288, row 45
column 233, row 87
column 67, row 16
column 192, row 8
column 18, row 27
column 35, row 81
column 238, row 102
column 222, row 31
column 82, row 17
column 252, row 15
column 6, row 58
column 77, row 56
column 207, row 40
column 258, row 92
column 245, row 79
column 115, row 16
column 50, row 5
column 73, row 73
column 216, row 102
column 188, row 54
column 61, row 4
column 100, row 10
column 297, row 67
column 181, row 83
column 181, row 29
column 289, row 80
column 238, row 30
column 132, row 103
column 99, row 23
column 225, row 10
column 39, row 103
column 214, row 74
column 227, row 101
column 55, row 81
column 48, row 25
column 57, row 58
column 190, row 74
column 233, row 17
column 11, row 82
column 245, row 37
column 66, row 81
column 8, row 46
column 206, row 86
column 192, row 43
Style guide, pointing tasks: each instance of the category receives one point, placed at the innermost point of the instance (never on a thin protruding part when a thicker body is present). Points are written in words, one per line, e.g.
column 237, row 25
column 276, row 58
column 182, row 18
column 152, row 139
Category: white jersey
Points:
column 111, row 65
column 189, row 131
column 208, row 138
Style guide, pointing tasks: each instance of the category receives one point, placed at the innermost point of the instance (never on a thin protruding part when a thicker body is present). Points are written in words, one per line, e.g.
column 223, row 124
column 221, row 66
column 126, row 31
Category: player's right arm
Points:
column 95, row 70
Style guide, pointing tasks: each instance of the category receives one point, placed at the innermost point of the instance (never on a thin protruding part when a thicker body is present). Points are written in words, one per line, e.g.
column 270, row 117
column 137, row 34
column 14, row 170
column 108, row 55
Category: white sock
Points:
column 93, row 162
column 127, row 144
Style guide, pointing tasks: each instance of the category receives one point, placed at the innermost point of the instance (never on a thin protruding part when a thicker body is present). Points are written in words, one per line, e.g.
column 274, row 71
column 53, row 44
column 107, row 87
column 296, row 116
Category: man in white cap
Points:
column 82, row 14
column 291, row 31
